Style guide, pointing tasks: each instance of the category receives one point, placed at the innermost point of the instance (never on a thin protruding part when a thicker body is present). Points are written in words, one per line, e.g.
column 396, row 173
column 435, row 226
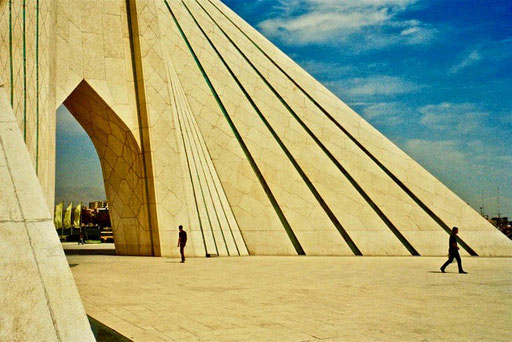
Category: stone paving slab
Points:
column 298, row 298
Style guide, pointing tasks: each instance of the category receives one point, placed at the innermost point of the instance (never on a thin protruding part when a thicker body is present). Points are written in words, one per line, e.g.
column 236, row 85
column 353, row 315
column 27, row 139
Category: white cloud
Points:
column 385, row 113
column 468, row 167
column 490, row 53
column 375, row 110
column 445, row 152
column 470, row 59
column 468, row 154
column 459, row 118
column 417, row 35
column 85, row 194
column 326, row 69
column 374, row 85
column 382, row 85
column 367, row 23
column 507, row 118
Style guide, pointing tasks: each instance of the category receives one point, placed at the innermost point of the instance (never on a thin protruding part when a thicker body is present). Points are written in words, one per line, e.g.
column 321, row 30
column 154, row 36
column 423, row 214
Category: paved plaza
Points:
column 297, row 298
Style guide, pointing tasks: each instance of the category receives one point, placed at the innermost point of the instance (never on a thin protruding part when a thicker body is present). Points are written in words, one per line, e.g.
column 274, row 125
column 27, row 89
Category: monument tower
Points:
column 199, row 120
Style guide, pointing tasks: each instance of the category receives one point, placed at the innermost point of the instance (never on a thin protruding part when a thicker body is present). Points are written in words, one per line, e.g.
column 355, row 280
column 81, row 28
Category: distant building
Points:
column 503, row 224
column 98, row 204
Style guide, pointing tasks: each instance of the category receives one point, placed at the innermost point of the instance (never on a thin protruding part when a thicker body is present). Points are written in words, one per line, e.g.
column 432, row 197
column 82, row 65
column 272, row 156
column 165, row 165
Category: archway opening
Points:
column 121, row 163
column 79, row 188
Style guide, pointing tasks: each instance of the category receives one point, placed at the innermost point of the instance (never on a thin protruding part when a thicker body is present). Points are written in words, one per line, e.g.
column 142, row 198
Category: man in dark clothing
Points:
column 453, row 252
column 182, row 241
column 82, row 236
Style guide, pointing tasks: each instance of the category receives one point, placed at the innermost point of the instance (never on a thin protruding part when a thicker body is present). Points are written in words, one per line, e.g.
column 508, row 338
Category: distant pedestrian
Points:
column 182, row 242
column 81, row 239
column 453, row 252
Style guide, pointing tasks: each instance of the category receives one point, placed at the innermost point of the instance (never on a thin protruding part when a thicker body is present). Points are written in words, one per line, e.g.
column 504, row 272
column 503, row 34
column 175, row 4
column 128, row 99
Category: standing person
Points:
column 182, row 242
column 453, row 252
column 82, row 236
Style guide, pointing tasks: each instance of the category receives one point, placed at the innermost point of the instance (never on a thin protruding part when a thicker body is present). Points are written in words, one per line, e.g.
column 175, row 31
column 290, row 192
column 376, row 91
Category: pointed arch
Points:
column 122, row 167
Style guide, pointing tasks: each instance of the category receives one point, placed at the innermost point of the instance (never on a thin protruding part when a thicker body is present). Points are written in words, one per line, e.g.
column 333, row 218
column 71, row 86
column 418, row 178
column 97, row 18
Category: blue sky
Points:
column 78, row 171
column 434, row 76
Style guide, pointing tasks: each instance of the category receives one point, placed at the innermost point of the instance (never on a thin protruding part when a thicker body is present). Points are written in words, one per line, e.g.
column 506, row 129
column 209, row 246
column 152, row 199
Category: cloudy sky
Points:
column 434, row 76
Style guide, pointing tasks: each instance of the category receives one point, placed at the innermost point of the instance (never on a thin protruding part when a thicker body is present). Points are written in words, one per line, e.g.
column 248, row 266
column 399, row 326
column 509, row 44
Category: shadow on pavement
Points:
column 86, row 251
column 102, row 333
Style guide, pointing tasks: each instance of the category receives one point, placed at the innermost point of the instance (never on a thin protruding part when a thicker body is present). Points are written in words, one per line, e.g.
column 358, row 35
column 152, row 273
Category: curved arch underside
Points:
column 122, row 168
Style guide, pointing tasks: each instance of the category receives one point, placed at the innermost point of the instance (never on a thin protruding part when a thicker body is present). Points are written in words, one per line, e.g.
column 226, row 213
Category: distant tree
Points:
column 87, row 218
column 102, row 219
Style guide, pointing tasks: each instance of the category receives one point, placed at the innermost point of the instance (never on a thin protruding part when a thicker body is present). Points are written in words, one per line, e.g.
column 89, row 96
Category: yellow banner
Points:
column 57, row 219
column 77, row 216
column 67, row 216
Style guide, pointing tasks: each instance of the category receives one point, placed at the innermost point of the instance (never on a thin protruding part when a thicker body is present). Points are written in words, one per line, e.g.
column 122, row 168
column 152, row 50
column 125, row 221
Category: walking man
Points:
column 182, row 241
column 453, row 252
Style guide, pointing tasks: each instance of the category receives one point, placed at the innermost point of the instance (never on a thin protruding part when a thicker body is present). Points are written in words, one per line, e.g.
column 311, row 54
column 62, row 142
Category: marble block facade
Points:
column 199, row 120
column 38, row 296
